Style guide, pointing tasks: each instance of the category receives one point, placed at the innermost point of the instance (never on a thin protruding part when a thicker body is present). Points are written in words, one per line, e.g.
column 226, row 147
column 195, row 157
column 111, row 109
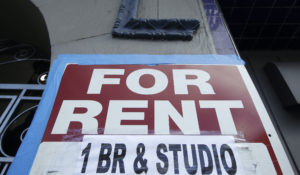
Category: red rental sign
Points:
column 134, row 90
column 155, row 100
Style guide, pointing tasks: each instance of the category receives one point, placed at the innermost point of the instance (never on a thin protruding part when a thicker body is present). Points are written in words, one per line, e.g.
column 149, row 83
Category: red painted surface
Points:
column 225, row 80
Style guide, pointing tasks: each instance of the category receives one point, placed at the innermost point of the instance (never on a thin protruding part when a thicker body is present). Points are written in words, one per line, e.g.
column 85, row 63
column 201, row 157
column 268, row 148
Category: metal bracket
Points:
column 127, row 25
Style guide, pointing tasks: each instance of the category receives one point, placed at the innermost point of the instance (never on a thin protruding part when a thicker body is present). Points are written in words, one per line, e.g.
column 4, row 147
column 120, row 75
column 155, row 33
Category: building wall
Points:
column 85, row 28
column 286, row 120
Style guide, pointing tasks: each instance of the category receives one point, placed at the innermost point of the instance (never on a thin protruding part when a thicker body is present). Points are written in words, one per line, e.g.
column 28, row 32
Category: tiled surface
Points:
column 263, row 24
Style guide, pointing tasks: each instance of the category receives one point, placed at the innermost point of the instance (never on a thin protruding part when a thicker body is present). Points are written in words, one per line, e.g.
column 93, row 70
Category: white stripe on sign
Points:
column 164, row 154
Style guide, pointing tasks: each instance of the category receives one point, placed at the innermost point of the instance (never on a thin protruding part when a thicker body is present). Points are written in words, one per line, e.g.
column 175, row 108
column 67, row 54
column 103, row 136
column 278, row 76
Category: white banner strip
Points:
column 164, row 154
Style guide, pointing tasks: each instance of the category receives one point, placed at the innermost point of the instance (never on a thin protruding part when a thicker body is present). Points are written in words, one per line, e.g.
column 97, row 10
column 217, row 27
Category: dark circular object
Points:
column 25, row 52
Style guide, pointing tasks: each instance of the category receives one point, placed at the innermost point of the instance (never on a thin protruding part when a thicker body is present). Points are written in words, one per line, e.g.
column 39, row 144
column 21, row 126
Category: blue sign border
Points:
column 25, row 156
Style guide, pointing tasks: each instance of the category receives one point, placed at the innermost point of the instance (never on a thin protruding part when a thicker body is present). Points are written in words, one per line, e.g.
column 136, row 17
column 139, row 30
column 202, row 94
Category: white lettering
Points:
column 187, row 122
column 66, row 116
column 223, row 112
column 181, row 82
column 98, row 79
column 115, row 115
column 161, row 81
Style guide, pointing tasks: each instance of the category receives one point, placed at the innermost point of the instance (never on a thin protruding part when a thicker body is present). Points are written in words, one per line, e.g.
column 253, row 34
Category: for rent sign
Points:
column 152, row 95
column 103, row 115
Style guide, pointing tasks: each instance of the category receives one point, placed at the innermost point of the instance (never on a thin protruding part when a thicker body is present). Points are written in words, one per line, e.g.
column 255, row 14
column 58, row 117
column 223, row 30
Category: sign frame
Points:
column 26, row 154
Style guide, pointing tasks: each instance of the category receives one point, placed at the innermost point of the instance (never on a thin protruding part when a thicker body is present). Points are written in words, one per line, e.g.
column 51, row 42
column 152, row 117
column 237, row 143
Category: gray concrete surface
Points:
column 84, row 27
